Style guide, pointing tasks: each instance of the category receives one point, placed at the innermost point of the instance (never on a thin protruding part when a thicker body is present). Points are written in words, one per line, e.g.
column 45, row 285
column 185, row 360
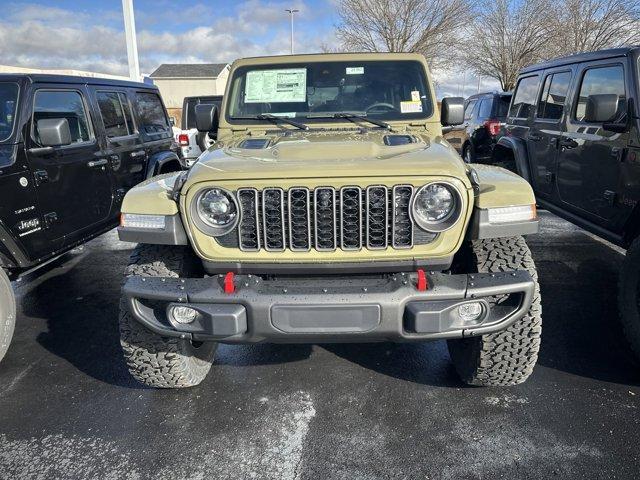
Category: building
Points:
column 180, row 80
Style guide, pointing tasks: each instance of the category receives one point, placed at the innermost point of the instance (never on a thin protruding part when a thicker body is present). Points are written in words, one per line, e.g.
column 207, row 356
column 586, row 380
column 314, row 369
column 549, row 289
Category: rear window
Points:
column 485, row 109
column 502, row 105
column 8, row 105
column 151, row 113
column 190, row 114
column 524, row 98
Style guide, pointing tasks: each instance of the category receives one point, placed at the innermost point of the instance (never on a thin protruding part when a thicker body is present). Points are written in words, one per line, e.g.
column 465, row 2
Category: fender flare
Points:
column 158, row 160
column 519, row 150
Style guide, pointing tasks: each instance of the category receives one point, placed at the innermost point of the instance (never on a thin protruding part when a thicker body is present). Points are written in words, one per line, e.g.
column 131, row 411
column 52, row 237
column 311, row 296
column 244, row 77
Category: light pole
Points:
column 291, row 12
column 130, row 33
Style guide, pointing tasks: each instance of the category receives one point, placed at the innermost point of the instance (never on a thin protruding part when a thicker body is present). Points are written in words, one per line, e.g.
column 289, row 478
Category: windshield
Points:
column 384, row 90
column 8, row 104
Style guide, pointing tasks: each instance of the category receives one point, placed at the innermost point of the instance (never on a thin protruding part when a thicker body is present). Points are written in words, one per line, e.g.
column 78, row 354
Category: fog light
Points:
column 182, row 314
column 470, row 312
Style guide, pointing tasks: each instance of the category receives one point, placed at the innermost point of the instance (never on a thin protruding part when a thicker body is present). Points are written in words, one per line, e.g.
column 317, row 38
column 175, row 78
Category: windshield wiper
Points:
column 275, row 119
column 352, row 116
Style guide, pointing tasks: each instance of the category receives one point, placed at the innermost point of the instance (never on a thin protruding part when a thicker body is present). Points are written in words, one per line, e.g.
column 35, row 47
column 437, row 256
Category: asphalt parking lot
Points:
column 68, row 408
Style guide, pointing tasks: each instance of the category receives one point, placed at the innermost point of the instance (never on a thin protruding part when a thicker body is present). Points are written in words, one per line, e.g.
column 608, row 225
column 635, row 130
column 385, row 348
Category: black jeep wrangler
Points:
column 573, row 131
column 70, row 148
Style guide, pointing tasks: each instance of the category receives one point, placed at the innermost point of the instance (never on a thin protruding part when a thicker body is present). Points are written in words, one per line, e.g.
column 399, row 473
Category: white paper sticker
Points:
column 411, row 107
column 355, row 70
column 415, row 96
column 274, row 86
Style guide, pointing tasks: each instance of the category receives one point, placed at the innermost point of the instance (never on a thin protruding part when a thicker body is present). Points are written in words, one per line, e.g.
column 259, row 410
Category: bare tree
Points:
column 507, row 35
column 429, row 27
column 587, row 25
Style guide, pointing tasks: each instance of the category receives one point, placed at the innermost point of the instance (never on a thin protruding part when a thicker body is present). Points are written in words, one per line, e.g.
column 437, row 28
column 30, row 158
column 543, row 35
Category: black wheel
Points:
column 153, row 360
column 629, row 296
column 506, row 357
column 468, row 153
column 7, row 313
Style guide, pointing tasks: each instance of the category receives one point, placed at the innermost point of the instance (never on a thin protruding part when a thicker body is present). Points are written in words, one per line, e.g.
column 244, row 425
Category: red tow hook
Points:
column 422, row 284
column 229, row 286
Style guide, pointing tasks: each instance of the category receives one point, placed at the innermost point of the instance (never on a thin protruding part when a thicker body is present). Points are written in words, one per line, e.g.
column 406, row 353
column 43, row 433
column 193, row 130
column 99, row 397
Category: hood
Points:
column 328, row 155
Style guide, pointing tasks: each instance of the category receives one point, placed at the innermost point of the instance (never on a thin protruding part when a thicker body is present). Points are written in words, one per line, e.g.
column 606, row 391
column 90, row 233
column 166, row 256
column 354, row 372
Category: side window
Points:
column 468, row 110
column 554, row 94
column 62, row 104
column 112, row 113
column 484, row 111
column 524, row 99
column 151, row 113
column 601, row 80
column 126, row 106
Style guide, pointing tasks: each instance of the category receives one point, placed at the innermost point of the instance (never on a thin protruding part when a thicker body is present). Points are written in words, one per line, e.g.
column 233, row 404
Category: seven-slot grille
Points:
column 325, row 218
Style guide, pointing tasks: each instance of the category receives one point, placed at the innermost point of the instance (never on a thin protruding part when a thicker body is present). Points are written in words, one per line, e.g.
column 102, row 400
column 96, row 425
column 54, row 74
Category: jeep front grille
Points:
column 325, row 219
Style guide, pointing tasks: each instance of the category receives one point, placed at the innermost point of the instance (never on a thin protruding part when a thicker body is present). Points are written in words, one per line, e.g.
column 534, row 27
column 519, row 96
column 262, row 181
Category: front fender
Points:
column 519, row 150
column 158, row 160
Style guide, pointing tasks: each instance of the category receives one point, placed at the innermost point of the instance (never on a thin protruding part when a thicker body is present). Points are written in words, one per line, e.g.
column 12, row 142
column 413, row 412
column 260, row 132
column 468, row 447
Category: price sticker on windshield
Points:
column 411, row 107
column 276, row 86
column 355, row 70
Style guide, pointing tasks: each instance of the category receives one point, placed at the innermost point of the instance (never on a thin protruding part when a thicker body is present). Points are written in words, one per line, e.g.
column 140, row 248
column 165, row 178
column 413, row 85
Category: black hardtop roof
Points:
column 581, row 57
column 72, row 79
column 484, row 94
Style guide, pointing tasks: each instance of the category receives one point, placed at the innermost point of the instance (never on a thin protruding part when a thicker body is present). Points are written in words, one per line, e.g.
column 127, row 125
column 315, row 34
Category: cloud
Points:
column 35, row 35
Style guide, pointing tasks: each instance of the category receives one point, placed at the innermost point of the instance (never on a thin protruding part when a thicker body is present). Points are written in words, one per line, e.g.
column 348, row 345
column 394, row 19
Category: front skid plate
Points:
column 309, row 310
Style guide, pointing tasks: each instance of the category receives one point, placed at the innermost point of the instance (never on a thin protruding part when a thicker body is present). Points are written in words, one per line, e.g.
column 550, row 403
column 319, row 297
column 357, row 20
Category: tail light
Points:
column 493, row 127
column 183, row 140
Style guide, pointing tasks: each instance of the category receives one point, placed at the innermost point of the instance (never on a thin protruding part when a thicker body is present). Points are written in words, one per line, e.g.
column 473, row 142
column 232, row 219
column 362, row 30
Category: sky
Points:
column 89, row 35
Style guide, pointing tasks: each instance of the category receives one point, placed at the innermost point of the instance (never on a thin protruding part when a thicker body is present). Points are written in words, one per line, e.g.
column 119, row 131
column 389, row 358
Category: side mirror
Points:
column 601, row 108
column 207, row 118
column 452, row 111
column 54, row 132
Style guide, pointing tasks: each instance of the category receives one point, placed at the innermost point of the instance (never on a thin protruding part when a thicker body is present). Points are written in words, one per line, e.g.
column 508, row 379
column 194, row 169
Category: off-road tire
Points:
column 154, row 360
column 506, row 357
column 7, row 313
column 629, row 296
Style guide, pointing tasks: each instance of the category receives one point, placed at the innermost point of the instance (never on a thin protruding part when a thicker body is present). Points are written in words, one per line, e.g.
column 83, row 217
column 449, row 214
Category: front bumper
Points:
column 330, row 309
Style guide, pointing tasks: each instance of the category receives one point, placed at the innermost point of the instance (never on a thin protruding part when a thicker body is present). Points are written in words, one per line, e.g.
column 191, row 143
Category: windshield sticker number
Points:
column 276, row 86
column 411, row 107
column 355, row 70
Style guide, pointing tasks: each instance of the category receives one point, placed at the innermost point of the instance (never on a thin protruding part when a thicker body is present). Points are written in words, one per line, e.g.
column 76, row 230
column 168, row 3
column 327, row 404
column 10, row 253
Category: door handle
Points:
column 534, row 138
column 139, row 153
column 97, row 163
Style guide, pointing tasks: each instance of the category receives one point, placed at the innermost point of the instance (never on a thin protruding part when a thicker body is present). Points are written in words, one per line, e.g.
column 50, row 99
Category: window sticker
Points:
column 355, row 70
column 274, row 86
column 415, row 96
column 411, row 107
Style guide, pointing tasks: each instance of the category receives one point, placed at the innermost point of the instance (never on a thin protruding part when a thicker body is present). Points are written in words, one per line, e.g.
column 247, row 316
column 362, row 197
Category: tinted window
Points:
column 554, row 94
column 602, row 80
column 501, row 103
column 112, row 113
column 190, row 114
column 390, row 90
column 62, row 104
column 525, row 98
column 8, row 103
column 484, row 111
column 468, row 110
column 124, row 101
column 151, row 113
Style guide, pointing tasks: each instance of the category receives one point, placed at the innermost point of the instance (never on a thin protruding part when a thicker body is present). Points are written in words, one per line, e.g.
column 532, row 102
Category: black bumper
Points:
column 325, row 309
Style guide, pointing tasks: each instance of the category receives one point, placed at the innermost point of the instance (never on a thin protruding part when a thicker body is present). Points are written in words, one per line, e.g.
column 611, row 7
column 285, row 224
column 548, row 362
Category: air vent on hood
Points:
column 395, row 140
column 255, row 143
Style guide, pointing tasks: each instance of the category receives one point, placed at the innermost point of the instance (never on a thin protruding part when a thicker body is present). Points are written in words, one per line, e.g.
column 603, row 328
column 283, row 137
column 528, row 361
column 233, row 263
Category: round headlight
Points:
column 436, row 207
column 216, row 210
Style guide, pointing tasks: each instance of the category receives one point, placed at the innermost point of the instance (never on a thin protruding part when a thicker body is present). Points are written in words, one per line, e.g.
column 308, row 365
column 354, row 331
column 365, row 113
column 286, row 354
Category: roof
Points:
column 579, row 58
column 189, row 70
column 72, row 79
column 329, row 57
column 482, row 94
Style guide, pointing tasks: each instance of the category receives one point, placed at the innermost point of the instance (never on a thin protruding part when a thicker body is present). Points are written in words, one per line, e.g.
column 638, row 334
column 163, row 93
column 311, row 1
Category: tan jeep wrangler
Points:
column 330, row 210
